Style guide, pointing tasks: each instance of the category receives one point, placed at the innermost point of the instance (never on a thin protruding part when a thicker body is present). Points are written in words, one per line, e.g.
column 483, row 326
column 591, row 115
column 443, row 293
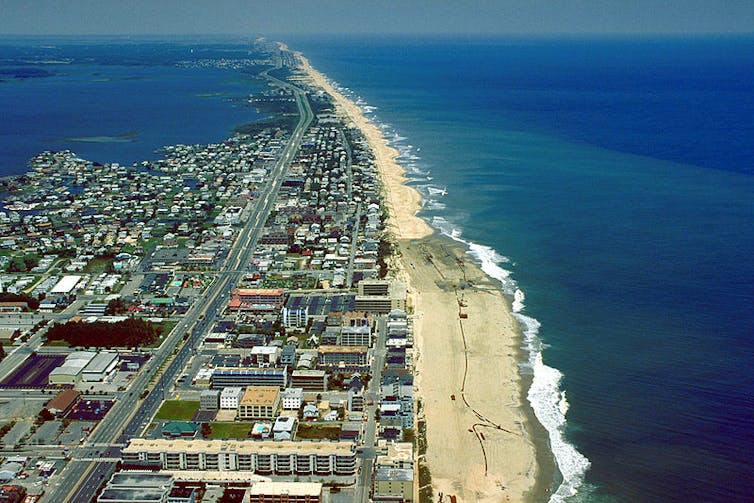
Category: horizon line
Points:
column 399, row 34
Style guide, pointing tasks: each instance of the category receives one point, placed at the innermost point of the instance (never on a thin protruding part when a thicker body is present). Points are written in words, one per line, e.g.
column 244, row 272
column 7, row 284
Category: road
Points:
column 354, row 242
column 20, row 353
column 80, row 479
column 368, row 452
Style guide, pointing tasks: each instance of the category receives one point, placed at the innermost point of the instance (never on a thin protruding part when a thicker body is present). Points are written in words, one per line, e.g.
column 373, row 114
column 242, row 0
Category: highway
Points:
column 80, row 479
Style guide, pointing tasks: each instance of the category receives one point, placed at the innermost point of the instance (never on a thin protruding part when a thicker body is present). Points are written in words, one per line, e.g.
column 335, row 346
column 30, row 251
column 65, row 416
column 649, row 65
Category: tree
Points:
column 116, row 306
column 45, row 415
column 129, row 332
column 206, row 430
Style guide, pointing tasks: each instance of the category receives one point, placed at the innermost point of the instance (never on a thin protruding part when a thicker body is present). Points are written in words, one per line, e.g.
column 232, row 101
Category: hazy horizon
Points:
column 344, row 17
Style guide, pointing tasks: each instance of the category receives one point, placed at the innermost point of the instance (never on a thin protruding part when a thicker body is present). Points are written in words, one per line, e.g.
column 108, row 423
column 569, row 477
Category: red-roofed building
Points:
column 63, row 402
column 262, row 300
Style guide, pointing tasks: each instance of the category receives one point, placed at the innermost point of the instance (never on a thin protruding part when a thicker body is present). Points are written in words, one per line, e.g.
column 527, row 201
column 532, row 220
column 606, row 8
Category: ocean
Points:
column 607, row 183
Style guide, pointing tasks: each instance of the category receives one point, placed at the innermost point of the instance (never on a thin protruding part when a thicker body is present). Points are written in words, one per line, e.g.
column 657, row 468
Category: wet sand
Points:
column 479, row 431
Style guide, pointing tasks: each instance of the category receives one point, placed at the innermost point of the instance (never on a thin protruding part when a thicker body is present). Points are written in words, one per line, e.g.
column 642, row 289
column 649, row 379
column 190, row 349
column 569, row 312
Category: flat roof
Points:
column 287, row 488
column 260, row 395
column 247, row 370
column 132, row 494
column 342, row 349
column 263, row 350
column 246, row 446
column 394, row 474
column 140, row 479
column 214, row 476
column 263, row 292
column 101, row 362
column 66, row 284
column 308, row 373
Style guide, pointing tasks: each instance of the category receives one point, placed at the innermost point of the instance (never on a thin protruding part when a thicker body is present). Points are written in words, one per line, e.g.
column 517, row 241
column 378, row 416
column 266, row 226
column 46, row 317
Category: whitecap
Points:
column 547, row 400
column 518, row 300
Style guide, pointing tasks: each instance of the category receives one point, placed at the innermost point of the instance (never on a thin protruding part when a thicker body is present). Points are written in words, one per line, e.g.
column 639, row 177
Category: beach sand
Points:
column 479, row 444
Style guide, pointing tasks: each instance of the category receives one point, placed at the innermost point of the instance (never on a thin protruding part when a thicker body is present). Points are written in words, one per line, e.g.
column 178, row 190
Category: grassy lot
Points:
column 230, row 430
column 98, row 265
column 165, row 327
column 178, row 410
column 318, row 431
column 58, row 344
column 163, row 330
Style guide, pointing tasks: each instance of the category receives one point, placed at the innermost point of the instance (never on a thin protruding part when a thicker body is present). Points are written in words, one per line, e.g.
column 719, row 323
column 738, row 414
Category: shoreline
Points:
column 481, row 445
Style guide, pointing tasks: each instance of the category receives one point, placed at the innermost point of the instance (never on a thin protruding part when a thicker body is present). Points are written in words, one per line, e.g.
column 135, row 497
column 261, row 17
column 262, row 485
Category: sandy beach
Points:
column 479, row 440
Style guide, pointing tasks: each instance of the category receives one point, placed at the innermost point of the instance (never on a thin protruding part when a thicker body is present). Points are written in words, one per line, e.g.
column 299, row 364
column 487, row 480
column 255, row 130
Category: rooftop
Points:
column 242, row 446
column 289, row 488
column 140, row 495
column 260, row 395
column 342, row 349
column 140, row 479
column 394, row 474
column 263, row 292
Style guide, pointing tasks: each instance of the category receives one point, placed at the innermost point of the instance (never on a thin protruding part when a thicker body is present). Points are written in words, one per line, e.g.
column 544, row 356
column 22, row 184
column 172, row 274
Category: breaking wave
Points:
column 547, row 399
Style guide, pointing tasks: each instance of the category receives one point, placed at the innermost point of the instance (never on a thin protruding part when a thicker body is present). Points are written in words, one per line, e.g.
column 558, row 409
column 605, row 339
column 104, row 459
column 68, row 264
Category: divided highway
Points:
column 79, row 481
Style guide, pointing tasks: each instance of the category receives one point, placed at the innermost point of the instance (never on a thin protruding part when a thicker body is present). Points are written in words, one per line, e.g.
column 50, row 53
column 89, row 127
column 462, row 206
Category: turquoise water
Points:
column 610, row 183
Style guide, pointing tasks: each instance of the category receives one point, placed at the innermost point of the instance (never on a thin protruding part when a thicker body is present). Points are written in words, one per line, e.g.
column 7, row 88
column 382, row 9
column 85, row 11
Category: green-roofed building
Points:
column 178, row 429
column 162, row 301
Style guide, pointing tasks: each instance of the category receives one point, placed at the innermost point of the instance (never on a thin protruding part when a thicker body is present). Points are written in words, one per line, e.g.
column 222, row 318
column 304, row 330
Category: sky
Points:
column 303, row 17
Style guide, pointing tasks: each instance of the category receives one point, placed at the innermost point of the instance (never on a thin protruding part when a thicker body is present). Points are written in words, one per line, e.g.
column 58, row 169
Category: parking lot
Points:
column 19, row 431
column 33, row 372
column 90, row 410
column 75, row 431
column 46, row 434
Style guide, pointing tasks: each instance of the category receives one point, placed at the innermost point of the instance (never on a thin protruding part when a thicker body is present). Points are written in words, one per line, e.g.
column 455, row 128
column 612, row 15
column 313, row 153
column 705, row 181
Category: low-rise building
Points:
column 244, row 376
column 259, row 300
column 209, row 399
column 230, row 397
column 394, row 484
column 63, row 402
column 288, row 355
column 396, row 455
column 262, row 457
column 137, row 487
column 348, row 355
column 284, row 428
column 179, row 429
column 265, row 355
column 70, row 371
column 284, row 492
column 309, row 380
column 292, row 398
column 259, row 402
